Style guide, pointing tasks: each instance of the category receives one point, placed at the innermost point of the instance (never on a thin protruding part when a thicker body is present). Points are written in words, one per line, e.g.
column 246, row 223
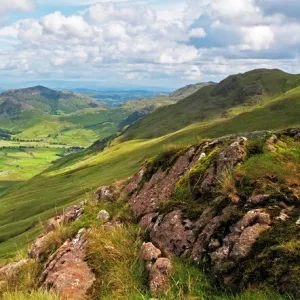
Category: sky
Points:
column 154, row 43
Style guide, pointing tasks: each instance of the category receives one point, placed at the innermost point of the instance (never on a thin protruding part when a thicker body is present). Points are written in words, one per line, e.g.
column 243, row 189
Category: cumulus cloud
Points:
column 16, row 5
column 125, row 41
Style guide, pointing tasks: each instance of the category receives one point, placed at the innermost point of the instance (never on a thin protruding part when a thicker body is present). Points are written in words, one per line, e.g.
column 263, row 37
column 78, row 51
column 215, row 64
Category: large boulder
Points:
column 66, row 271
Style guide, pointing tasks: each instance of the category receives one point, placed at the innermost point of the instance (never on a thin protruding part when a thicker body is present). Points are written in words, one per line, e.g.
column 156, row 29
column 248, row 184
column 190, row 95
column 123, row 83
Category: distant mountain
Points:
column 235, row 94
column 42, row 100
column 189, row 90
column 165, row 100
column 118, row 97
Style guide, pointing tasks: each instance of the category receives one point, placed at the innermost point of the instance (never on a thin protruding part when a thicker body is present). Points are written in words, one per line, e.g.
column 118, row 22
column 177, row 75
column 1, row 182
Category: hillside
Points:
column 222, row 223
column 119, row 160
column 42, row 99
column 270, row 163
column 188, row 90
column 164, row 100
column 233, row 95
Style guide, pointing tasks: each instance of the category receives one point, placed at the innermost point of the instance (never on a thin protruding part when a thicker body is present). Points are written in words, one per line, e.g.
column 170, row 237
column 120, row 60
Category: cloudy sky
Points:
column 165, row 43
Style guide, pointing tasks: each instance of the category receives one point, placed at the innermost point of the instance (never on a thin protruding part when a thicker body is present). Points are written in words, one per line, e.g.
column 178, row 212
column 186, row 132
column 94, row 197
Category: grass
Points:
column 17, row 164
column 113, row 252
column 35, row 295
column 213, row 102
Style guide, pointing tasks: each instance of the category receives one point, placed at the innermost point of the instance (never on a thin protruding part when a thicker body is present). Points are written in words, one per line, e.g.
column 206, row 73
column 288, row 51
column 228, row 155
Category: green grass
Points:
column 21, row 164
column 35, row 295
column 231, row 96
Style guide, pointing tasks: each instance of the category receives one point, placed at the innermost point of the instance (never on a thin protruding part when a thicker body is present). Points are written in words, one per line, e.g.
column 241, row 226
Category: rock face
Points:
column 174, row 234
column 66, row 272
column 160, row 186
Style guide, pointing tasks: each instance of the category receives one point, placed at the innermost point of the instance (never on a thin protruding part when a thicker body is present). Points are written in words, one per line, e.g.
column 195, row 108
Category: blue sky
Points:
column 144, row 43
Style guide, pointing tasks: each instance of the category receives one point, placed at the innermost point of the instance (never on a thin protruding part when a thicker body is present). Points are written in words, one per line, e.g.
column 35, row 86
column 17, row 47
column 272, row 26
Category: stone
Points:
column 174, row 234
column 258, row 199
column 298, row 222
column 271, row 142
column 239, row 242
column 13, row 268
column 104, row 193
column 135, row 181
column 160, row 187
column 200, row 246
column 159, row 277
column 229, row 157
column 103, row 216
column 202, row 155
column 66, row 272
column 71, row 214
column 148, row 221
column 149, row 253
column 40, row 247
column 282, row 217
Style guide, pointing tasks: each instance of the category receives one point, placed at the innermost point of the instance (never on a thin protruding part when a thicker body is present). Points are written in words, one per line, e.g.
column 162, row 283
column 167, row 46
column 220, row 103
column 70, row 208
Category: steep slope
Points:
column 219, row 220
column 229, row 97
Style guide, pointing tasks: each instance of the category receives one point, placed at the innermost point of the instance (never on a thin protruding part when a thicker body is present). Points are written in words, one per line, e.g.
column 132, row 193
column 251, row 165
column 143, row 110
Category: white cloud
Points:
column 197, row 33
column 257, row 38
column 124, row 41
column 194, row 73
column 7, row 6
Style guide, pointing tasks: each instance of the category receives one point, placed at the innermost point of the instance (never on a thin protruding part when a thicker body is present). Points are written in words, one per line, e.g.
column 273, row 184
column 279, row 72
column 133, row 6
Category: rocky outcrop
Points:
column 66, row 271
column 41, row 247
column 237, row 240
column 160, row 186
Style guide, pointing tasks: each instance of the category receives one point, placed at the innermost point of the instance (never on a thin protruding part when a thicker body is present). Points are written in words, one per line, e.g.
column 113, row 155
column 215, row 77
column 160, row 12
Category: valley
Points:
column 56, row 160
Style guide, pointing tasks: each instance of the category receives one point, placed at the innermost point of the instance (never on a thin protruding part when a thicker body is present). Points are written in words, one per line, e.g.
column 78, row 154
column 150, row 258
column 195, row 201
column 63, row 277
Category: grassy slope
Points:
column 77, row 129
column 231, row 96
column 69, row 180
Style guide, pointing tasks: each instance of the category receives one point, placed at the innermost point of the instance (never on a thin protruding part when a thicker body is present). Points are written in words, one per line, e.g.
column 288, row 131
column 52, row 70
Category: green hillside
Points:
column 72, row 178
column 235, row 94
column 46, row 101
